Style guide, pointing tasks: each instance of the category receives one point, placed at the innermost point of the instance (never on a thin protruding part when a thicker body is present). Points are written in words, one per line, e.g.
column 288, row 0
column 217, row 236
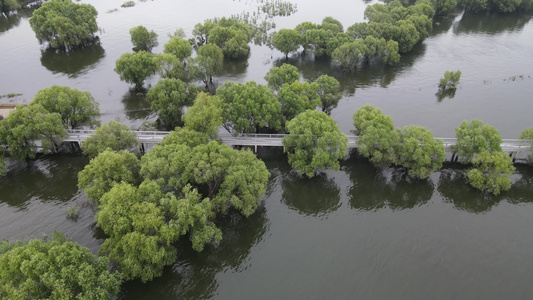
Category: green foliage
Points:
column 333, row 25
column 317, row 40
column 135, row 67
column 349, row 55
column 76, row 108
column 286, row 41
column 205, row 115
column 474, row 5
column 11, row 5
column 142, row 39
column 315, row 143
column 185, row 136
column 276, row 77
column 168, row 98
column 328, row 92
column 444, row 7
column 170, row 66
column 206, row 64
column 378, row 140
column 232, row 40
column 419, row 151
column 450, row 81
column 298, row 97
column 491, row 172
column 363, row 115
column 114, row 135
column 64, row 24
column 178, row 47
column 249, row 107
column 128, row 4
column 475, row 137
column 527, row 137
column 54, row 269
column 201, row 31
column 106, row 170
column 28, row 124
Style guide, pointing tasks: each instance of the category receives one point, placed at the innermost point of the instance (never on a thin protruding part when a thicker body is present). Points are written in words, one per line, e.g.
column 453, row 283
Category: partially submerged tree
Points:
column 378, row 141
column 287, row 41
column 419, row 151
column 315, row 143
column 206, row 64
column 64, row 24
column 55, row 268
column 178, row 47
column 276, row 77
column 76, row 108
column 297, row 97
column 106, row 170
column 142, row 39
column 249, row 107
column 205, row 115
column 361, row 117
column 450, row 81
column 328, row 93
column 475, row 137
column 135, row 67
column 491, row 172
column 527, row 137
column 168, row 98
column 114, row 136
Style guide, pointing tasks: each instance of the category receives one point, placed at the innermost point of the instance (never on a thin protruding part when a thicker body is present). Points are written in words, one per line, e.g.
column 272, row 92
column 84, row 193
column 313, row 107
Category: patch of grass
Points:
column 73, row 212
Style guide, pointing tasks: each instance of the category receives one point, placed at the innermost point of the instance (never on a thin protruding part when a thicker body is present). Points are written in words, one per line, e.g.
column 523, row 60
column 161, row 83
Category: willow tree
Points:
column 315, row 143
column 64, row 24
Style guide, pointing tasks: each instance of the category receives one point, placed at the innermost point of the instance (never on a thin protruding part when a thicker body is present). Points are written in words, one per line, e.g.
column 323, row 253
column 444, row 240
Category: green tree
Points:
column 205, row 115
column 286, row 41
column 349, row 55
column 56, row 268
column 332, row 24
column 114, row 135
column 170, row 66
column 106, row 170
column 315, row 143
column 378, row 141
column 317, row 41
column 185, row 136
column 76, row 108
column 298, row 97
column 135, row 67
column 178, row 47
column 361, row 117
column 168, row 98
column 527, row 137
column 491, row 172
column 232, row 40
column 207, row 64
column 64, row 24
column 474, row 137
column 201, row 31
column 302, row 28
column 27, row 125
column 142, row 39
column 276, row 77
column 328, row 92
column 249, row 107
column 406, row 35
column 419, row 151
column 450, row 81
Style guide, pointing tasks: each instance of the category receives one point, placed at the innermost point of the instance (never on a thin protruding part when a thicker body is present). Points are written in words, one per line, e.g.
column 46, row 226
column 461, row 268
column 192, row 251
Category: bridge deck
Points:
column 271, row 140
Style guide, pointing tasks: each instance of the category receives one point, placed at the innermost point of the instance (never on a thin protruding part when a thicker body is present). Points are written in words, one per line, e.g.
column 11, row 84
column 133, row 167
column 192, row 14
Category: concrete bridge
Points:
column 150, row 138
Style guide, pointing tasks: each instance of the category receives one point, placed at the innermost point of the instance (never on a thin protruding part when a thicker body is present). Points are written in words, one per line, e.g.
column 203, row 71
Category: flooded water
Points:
column 355, row 233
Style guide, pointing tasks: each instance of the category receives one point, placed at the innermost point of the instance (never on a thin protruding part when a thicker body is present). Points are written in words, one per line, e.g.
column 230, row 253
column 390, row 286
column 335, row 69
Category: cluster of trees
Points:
column 64, row 25
column 481, row 6
column 229, row 34
column 44, row 122
column 413, row 147
column 11, row 5
column 55, row 268
column 177, row 189
column 391, row 29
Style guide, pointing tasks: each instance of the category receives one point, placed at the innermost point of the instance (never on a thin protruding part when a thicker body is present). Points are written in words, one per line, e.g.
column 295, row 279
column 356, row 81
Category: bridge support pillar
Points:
column 255, row 149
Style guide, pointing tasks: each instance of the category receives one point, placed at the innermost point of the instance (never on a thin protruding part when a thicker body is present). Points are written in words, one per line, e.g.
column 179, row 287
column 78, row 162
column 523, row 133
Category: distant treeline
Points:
column 10, row 5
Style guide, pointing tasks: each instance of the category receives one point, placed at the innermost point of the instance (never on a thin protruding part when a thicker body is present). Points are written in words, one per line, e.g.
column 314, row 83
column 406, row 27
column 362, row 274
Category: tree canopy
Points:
column 249, row 107
column 474, row 137
column 527, row 137
column 76, row 108
column 135, row 67
column 315, row 143
column 287, row 41
column 142, row 39
column 27, row 125
column 206, row 64
column 55, row 268
column 491, row 172
column 64, row 24
column 178, row 47
column 168, row 98
column 106, row 170
column 419, row 151
column 328, row 92
column 114, row 135
column 298, row 97
column 205, row 115
column 276, row 77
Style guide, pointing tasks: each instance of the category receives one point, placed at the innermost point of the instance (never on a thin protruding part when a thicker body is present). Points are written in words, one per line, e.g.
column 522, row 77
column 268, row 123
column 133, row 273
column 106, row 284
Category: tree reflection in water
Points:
column 73, row 63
